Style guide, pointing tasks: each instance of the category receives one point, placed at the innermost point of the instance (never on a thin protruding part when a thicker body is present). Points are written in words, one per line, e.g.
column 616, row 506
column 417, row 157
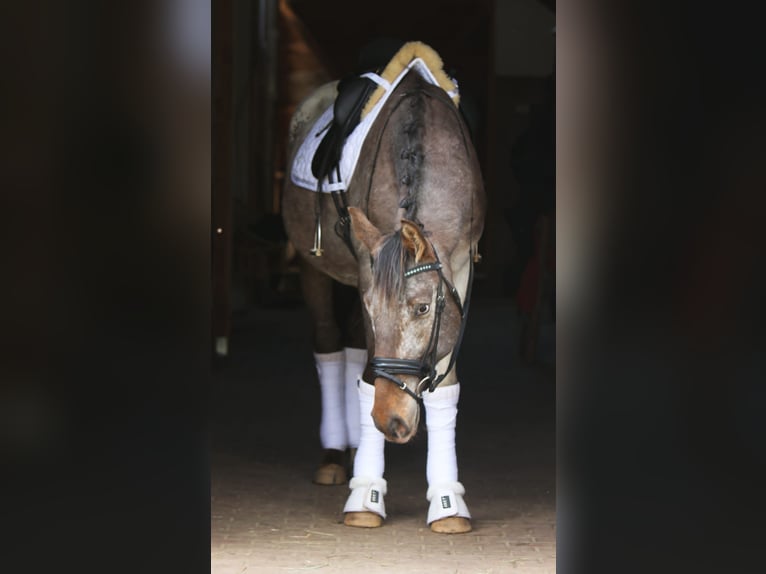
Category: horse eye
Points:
column 423, row 308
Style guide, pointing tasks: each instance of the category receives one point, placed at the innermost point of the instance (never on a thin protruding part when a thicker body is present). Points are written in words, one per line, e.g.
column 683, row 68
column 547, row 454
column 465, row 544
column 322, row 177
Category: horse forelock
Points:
column 388, row 270
column 389, row 267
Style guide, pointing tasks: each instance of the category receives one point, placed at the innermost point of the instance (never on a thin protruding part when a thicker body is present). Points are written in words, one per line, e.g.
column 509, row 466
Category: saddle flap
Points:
column 353, row 93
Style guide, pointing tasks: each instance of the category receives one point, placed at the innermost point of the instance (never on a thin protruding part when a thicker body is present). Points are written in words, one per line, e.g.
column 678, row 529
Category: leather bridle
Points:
column 425, row 367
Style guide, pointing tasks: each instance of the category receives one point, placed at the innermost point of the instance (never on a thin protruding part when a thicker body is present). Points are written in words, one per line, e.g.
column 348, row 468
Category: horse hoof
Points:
column 451, row 525
column 330, row 475
column 332, row 469
column 362, row 519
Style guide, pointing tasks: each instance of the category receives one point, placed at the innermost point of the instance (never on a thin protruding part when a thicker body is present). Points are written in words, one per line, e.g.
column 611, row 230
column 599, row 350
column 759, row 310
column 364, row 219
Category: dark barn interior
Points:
column 267, row 57
column 160, row 402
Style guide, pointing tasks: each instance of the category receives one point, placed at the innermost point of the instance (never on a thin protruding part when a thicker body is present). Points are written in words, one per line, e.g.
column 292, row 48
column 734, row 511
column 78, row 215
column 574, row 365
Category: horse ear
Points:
column 363, row 229
column 416, row 243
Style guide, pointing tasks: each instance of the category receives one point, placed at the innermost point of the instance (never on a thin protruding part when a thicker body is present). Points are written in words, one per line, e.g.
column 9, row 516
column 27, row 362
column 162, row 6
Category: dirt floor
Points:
column 267, row 516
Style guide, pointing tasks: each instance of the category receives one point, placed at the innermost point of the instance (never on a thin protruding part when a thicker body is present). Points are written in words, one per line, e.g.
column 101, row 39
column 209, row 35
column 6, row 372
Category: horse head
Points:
column 414, row 316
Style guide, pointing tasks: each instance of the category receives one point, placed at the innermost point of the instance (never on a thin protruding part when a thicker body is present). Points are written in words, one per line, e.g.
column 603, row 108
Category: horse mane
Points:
column 409, row 152
column 409, row 140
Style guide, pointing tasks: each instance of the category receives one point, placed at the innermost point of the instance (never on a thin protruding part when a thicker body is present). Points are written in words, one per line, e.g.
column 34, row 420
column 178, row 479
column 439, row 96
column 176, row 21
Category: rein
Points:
column 425, row 367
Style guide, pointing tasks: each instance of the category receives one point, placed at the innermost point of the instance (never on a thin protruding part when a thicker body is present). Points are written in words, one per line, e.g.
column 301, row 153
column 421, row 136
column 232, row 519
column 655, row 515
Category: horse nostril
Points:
column 397, row 428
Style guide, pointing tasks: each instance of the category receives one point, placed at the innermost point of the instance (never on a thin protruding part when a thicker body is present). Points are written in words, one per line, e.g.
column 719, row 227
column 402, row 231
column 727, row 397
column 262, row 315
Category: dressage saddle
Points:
column 353, row 93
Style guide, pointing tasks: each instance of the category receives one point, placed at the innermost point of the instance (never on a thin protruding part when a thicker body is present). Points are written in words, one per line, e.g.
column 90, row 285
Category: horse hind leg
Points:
column 332, row 428
column 329, row 357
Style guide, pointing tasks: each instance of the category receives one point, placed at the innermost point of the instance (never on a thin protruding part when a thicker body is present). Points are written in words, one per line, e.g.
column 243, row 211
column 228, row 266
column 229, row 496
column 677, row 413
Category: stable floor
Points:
column 267, row 515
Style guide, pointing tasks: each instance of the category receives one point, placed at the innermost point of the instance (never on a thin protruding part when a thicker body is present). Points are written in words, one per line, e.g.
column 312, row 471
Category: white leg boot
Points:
column 447, row 511
column 333, row 432
column 365, row 506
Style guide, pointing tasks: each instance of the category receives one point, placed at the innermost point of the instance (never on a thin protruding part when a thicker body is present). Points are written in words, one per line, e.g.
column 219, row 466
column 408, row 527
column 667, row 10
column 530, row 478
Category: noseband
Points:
column 425, row 367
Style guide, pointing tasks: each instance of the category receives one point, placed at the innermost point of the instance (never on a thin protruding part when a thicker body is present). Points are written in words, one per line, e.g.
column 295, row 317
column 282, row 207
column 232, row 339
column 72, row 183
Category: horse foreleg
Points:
column 447, row 511
column 365, row 506
column 356, row 361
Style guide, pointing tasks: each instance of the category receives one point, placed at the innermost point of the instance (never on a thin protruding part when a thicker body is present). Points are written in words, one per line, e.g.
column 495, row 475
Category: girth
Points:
column 425, row 367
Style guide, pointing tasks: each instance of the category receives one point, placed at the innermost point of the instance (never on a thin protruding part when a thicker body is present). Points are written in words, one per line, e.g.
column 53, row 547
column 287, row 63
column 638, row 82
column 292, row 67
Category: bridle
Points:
column 425, row 367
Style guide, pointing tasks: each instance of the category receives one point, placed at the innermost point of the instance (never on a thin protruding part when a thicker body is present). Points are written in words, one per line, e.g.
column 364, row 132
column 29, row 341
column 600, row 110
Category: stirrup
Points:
column 367, row 495
column 446, row 500
column 317, row 250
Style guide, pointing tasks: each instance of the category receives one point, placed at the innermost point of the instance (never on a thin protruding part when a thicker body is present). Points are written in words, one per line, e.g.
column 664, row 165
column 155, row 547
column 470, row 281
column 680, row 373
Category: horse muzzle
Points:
column 394, row 413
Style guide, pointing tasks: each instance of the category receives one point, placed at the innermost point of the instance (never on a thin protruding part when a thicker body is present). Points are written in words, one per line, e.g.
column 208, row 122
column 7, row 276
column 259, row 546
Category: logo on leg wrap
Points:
column 374, row 496
column 446, row 502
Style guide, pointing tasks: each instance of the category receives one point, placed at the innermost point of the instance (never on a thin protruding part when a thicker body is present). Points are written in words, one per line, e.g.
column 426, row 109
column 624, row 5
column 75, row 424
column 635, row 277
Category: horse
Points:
column 407, row 210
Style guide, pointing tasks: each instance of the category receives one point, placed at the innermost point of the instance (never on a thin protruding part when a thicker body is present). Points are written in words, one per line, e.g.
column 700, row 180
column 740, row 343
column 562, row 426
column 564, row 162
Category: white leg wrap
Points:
column 369, row 460
column 368, row 486
column 446, row 500
column 441, row 418
column 367, row 495
column 332, row 428
column 445, row 493
column 356, row 361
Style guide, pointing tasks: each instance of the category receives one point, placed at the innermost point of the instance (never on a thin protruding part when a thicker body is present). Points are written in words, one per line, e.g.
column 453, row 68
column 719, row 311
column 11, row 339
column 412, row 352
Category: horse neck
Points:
column 421, row 167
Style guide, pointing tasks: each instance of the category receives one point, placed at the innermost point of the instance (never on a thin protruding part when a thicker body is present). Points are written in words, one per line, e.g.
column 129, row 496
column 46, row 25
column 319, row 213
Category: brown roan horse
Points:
column 415, row 207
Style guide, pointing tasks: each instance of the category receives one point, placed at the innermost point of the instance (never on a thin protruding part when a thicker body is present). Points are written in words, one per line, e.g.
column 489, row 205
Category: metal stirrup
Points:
column 317, row 249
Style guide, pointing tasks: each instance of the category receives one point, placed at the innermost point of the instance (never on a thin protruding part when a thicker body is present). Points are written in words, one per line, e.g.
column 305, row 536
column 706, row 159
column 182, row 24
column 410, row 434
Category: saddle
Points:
column 353, row 93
